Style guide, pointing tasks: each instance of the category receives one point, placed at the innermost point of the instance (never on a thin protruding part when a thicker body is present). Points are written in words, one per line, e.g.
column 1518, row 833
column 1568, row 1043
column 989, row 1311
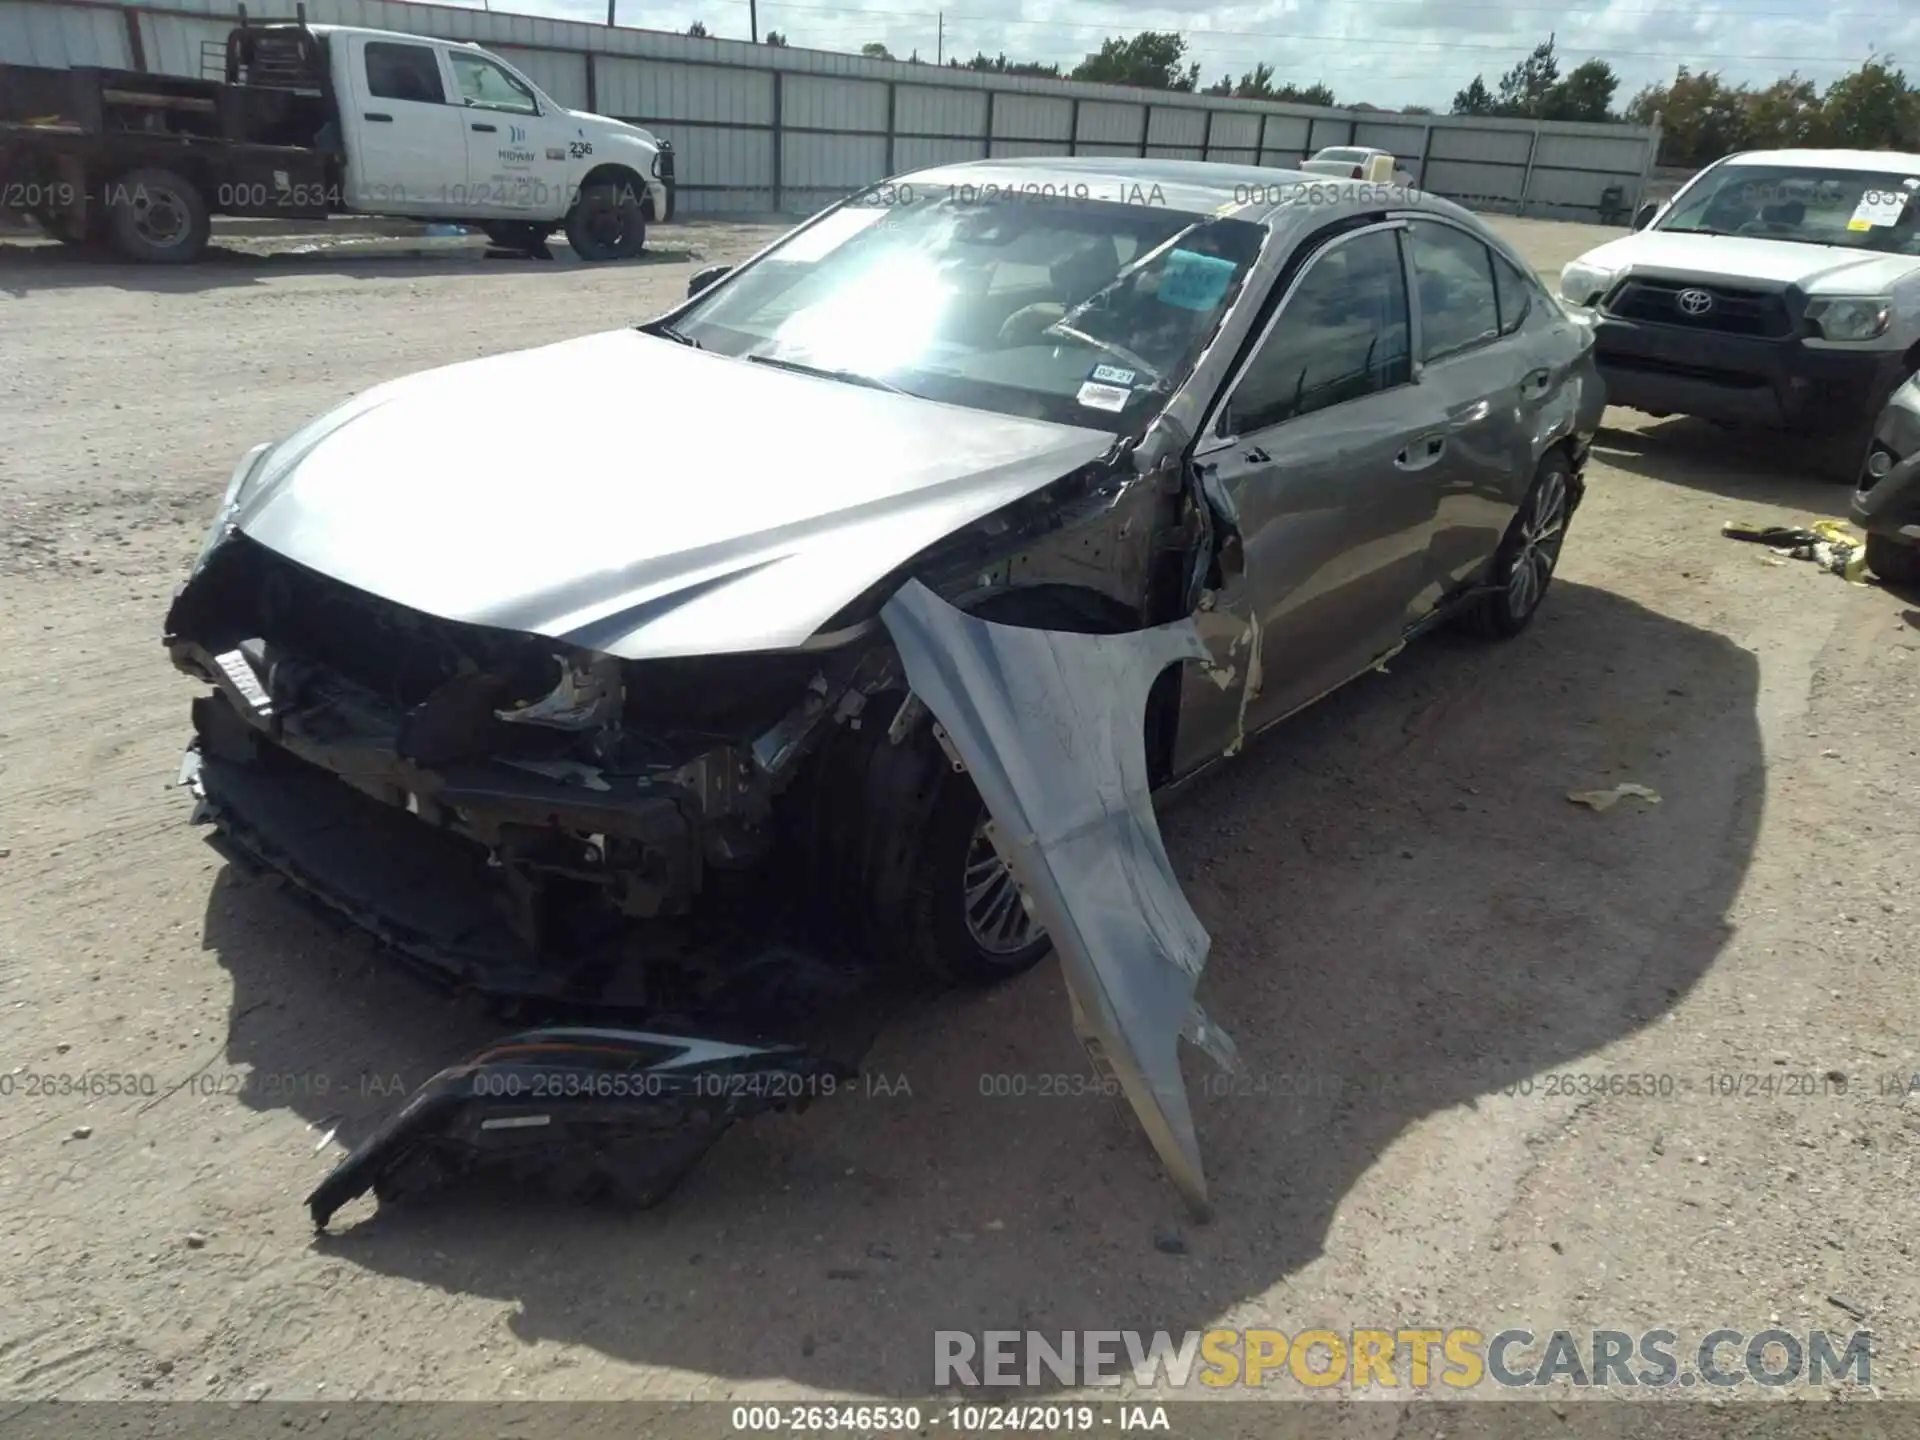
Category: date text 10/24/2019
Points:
column 965, row 1419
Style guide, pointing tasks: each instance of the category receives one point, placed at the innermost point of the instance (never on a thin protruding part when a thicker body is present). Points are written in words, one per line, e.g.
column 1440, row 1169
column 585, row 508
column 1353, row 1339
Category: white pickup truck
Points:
column 311, row 121
column 1778, row 289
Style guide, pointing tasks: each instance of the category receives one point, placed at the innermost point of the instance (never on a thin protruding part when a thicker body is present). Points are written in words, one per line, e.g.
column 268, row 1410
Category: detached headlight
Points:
column 244, row 474
column 1851, row 318
column 1583, row 284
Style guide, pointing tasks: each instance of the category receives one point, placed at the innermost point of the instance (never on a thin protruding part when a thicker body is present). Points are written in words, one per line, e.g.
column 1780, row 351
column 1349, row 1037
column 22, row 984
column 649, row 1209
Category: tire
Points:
column 158, row 217
column 1529, row 553
column 1841, row 458
column 888, row 833
column 608, row 221
column 1894, row 561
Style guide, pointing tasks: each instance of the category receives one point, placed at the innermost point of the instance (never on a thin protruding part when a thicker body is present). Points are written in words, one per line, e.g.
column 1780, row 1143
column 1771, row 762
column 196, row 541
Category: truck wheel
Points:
column 158, row 218
column 607, row 222
column 1893, row 561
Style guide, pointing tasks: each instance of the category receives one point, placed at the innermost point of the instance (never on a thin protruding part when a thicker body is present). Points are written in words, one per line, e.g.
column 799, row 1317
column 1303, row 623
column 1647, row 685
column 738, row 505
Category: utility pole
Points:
column 940, row 40
column 753, row 20
column 610, row 5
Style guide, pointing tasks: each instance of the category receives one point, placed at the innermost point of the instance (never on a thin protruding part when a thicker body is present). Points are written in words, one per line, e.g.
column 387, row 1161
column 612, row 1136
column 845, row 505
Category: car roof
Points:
column 1882, row 161
column 1197, row 187
column 371, row 33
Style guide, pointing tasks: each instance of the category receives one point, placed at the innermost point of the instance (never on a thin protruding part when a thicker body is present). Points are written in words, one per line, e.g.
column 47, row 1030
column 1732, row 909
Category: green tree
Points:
column 874, row 50
column 1476, row 99
column 1152, row 60
column 698, row 30
column 1416, row 110
column 1585, row 94
column 1000, row 65
column 1256, row 84
column 1872, row 109
column 1702, row 118
column 1784, row 114
column 1315, row 94
column 774, row 37
column 1526, row 88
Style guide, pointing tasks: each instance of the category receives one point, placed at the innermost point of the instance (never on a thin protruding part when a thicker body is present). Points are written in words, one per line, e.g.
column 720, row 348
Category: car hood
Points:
column 631, row 495
column 1821, row 269
column 607, row 125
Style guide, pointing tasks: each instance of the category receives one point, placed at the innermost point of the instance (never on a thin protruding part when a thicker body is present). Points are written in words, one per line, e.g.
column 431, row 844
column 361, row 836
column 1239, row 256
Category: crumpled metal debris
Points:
column 1051, row 728
column 1833, row 545
column 1607, row 799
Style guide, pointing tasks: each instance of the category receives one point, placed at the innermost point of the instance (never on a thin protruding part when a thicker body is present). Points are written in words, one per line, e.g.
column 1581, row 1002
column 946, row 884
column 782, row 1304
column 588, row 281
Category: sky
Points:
column 1384, row 52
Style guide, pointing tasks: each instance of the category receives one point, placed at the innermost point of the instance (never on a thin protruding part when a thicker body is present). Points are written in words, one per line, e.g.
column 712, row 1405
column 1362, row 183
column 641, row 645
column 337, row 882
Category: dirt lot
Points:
column 1400, row 896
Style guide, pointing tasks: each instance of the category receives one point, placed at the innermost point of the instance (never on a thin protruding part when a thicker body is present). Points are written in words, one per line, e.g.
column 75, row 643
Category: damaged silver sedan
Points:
column 965, row 518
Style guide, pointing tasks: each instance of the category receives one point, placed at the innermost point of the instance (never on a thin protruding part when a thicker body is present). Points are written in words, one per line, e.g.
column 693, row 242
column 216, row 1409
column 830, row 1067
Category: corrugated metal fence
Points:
column 761, row 128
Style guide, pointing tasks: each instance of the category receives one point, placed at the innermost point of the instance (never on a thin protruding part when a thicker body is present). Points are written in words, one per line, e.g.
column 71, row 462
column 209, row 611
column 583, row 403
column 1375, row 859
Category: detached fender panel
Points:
column 626, row 1112
column 1051, row 727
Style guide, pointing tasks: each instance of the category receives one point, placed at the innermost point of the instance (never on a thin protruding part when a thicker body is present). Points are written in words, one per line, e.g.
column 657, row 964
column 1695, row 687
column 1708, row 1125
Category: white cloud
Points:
column 1385, row 52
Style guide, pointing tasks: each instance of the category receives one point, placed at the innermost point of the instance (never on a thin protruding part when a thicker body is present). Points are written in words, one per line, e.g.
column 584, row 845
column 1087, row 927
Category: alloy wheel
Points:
column 1542, row 530
column 997, row 918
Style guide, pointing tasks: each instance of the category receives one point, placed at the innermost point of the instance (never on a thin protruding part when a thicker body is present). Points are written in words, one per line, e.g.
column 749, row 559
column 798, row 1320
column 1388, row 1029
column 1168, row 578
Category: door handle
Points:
column 1422, row 453
column 376, row 115
column 486, row 129
column 1536, row 383
column 1256, row 456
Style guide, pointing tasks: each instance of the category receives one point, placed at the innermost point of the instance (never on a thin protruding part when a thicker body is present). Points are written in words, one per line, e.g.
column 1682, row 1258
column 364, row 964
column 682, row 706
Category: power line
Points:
column 1490, row 47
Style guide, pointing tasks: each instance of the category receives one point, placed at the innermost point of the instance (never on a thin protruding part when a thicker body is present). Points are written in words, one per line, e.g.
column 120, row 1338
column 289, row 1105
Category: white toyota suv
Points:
column 1778, row 288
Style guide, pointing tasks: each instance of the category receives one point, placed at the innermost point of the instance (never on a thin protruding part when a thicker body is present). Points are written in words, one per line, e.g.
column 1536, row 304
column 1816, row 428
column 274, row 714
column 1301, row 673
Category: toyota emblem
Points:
column 1694, row 302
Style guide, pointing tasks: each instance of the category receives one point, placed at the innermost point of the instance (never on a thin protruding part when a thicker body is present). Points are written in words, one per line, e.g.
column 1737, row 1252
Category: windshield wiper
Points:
column 1109, row 347
column 667, row 332
column 851, row 377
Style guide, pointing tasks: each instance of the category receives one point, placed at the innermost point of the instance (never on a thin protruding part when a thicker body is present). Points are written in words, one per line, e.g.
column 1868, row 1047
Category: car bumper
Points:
column 1670, row 370
column 408, row 852
column 1889, row 503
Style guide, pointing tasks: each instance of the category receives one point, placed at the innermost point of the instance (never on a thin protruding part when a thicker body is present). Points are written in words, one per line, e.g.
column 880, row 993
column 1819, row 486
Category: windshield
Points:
column 1857, row 209
column 1047, row 306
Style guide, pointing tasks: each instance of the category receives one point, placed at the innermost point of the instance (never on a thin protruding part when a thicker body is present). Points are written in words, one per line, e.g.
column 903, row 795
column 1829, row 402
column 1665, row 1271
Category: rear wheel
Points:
column 158, row 217
column 1523, row 567
column 608, row 222
column 1893, row 560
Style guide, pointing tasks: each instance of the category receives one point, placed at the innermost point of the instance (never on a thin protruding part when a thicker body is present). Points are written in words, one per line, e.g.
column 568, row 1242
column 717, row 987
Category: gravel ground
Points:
column 1399, row 892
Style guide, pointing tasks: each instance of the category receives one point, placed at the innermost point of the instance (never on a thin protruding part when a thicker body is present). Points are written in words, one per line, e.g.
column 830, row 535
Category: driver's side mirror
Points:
column 703, row 278
column 1643, row 217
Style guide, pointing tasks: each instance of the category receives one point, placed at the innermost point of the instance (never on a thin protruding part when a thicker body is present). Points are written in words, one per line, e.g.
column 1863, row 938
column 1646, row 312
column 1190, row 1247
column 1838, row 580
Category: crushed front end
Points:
column 495, row 805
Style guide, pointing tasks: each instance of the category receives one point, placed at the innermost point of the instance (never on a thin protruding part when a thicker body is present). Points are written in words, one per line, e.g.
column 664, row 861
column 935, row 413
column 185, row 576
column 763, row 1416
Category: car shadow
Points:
column 26, row 268
column 1408, row 918
column 1770, row 467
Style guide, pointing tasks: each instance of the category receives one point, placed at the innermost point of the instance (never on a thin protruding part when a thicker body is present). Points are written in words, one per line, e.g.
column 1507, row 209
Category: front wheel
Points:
column 1893, row 561
column 967, row 920
column 1524, row 565
column 608, row 222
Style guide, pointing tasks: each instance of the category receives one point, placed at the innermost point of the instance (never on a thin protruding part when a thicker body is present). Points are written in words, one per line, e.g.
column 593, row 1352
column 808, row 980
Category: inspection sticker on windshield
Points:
column 1193, row 281
column 1096, row 396
column 1878, row 208
column 1111, row 375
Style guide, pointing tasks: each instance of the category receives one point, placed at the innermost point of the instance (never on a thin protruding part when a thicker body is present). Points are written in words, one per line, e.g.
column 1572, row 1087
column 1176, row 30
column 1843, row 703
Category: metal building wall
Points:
column 758, row 128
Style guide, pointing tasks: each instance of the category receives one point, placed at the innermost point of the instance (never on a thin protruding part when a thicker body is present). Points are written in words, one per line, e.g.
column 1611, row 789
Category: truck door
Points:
column 516, row 145
column 407, row 148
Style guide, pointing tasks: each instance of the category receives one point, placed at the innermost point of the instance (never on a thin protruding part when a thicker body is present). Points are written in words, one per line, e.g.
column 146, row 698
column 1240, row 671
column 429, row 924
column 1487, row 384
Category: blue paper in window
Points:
column 1193, row 281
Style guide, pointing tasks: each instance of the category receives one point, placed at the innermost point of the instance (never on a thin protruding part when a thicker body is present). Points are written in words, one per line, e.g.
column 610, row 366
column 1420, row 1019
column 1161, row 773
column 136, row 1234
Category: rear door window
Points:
column 404, row 72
